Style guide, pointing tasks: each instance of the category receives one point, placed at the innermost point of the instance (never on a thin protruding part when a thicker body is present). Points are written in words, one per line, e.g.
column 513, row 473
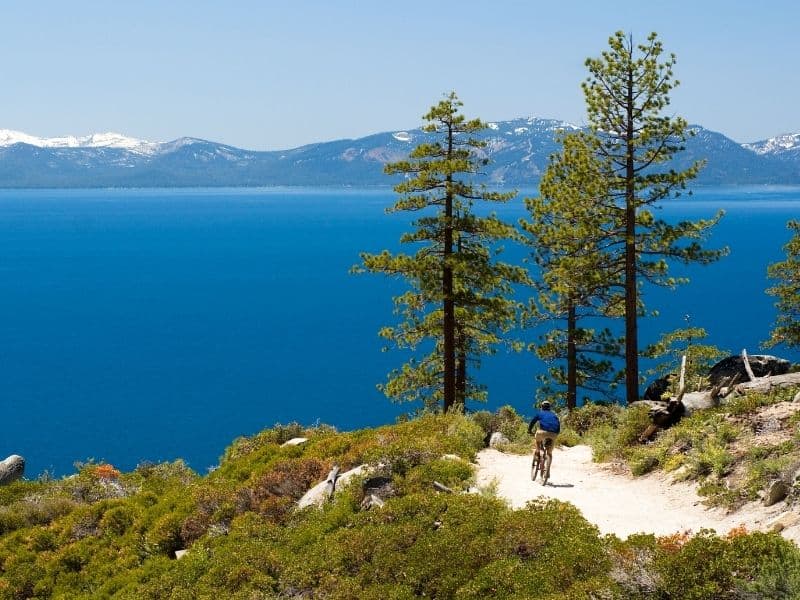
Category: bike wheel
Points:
column 548, row 459
column 535, row 465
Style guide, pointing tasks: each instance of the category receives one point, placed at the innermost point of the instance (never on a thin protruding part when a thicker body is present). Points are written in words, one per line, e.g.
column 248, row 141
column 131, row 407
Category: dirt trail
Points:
column 618, row 503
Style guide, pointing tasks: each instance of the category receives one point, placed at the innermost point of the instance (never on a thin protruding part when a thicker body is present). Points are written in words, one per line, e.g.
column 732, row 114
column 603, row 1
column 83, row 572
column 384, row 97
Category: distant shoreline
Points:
column 361, row 187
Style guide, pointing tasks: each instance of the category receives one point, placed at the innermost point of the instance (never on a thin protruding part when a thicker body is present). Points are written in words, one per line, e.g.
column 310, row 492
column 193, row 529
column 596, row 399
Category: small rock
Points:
column 11, row 469
column 776, row 491
column 371, row 501
column 451, row 457
column 294, row 442
column 497, row 439
column 180, row 553
column 796, row 397
column 782, row 521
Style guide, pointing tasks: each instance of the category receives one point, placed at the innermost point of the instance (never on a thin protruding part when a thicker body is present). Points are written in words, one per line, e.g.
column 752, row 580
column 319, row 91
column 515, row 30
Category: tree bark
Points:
column 461, row 358
column 631, row 304
column 448, row 308
column 572, row 359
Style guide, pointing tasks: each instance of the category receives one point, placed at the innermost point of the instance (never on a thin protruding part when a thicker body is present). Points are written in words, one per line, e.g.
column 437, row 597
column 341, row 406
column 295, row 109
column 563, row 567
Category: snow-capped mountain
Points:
column 9, row 137
column 786, row 145
column 518, row 152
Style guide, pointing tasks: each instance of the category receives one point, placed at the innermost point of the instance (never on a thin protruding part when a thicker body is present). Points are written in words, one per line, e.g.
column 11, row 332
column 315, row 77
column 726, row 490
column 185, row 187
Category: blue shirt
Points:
column 548, row 421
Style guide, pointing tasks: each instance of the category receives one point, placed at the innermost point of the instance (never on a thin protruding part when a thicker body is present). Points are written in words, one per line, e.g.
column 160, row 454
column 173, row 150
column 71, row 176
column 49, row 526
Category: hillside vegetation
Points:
column 105, row 534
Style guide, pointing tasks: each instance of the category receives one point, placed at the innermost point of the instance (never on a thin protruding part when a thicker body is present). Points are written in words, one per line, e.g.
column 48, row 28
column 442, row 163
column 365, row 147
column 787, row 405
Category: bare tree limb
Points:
column 747, row 365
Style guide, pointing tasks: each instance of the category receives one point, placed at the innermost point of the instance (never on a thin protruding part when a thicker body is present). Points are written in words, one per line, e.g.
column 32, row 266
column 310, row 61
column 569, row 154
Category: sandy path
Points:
column 616, row 503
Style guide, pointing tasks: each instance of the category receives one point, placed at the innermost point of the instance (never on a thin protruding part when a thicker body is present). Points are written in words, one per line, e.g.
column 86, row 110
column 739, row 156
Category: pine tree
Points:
column 458, row 305
column 673, row 346
column 787, row 292
column 626, row 94
column 568, row 230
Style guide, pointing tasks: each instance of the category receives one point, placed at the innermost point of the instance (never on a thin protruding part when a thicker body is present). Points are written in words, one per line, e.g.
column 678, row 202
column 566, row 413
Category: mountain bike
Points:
column 541, row 461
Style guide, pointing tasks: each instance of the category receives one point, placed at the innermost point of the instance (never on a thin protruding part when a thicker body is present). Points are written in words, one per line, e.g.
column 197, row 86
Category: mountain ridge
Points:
column 517, row 149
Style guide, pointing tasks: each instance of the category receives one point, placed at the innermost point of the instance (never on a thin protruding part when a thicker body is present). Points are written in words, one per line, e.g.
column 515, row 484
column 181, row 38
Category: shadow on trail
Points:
column 560, row 485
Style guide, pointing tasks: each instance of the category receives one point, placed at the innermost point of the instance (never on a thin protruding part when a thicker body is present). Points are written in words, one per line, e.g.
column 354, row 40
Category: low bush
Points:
column 592, row 415
column 708, row 567
column 616, row 441
column 246, row 540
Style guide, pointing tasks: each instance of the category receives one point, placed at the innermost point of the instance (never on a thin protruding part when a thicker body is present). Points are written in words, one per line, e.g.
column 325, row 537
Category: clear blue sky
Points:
column 274, row 75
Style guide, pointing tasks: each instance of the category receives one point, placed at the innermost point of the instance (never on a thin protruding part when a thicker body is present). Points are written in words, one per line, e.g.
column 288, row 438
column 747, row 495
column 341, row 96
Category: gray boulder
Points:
column 762, row 365
column 11, row 469
column 497, row 439
column 380, row 486
column 775, row 492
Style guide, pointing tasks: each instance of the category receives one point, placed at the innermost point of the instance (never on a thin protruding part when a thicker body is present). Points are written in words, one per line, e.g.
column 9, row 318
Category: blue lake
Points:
column 156, row 324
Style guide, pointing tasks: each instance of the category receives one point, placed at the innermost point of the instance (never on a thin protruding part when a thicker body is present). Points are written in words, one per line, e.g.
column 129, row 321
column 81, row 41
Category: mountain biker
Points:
column 549, row 428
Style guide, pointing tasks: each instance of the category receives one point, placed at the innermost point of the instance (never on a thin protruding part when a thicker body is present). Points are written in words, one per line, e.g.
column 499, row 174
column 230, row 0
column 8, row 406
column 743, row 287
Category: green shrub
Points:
column 767, row 566
column 632, row 423
column 711, row 458
column 708, row 567
column 752, row 401
column 615, row 441
column 568, row 437
column 117, row 520
column 165, row 534
column 592, row 415
column 420, row 544
column 643, row 460
column 602, row 440
column 450, row 472
column 528, row 544
column 507, row 421
column 485, row 420
column 17, row 490
column 42, row 540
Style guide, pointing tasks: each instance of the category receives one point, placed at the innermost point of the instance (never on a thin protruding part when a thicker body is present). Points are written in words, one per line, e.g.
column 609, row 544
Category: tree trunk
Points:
column 764, row 384
column 461, row 374
column 461, row 357
column 631, row 304
column 448, row 308
column 572, row 360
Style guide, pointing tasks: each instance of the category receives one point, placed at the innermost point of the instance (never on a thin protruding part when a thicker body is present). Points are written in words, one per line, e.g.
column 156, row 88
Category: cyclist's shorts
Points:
column 542, row 435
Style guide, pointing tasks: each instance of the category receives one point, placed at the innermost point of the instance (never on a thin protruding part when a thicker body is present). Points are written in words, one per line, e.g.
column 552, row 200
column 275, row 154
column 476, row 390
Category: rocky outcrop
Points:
column 782, row 521
column 655, row 391
column 294, row 442
column 377, row 490
column 762, row 365
column 11, row 469
column 324, row 490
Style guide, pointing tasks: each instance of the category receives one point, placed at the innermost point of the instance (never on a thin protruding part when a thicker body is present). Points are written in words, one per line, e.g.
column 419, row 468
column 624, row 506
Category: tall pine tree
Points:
column 626, row 94
column 458, row 304
column 787, row 293
column 576, row 281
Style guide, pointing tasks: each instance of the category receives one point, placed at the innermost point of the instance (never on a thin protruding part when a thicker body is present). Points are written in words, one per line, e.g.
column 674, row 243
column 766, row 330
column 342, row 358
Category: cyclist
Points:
column 549, row 428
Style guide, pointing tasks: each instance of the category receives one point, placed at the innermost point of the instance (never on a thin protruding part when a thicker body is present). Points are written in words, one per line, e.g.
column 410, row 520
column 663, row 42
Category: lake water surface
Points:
column 156, row 324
